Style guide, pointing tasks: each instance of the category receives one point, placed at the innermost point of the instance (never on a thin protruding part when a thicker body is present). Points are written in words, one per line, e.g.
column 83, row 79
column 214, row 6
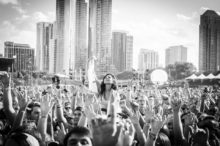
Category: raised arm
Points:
column 7, row 100
column 177, row 124
column 46, row 106
column 23, row 102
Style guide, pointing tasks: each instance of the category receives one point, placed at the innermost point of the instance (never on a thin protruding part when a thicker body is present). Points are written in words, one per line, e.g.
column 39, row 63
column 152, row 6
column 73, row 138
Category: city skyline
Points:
column 151, row 29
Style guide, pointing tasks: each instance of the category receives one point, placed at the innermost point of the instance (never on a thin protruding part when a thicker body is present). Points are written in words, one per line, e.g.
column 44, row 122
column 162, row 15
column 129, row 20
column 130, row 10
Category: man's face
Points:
column 75, row 140
column 68, row 109
column 142, row 102
column 76, row 115
column 35, row 114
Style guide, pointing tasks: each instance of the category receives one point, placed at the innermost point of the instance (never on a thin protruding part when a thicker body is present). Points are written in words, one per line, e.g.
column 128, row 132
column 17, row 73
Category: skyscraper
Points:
column 65, row 53
column 148, row 59
column 42, row 48
column 23, row 54
column 52, row 48
column 209, row 41
column 129, row 52
column 176, row 54
column 100, row 21
column 122, row 50
column 81, row 34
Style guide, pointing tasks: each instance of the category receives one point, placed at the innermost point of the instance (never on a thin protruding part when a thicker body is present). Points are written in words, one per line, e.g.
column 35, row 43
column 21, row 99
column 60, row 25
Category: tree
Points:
column 179, row 71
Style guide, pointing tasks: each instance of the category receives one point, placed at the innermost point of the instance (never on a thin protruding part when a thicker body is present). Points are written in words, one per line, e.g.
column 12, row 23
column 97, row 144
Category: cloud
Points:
column 12, row 33
column 40, row 16
column 204, row 9
column 187, row 18
column 183, row 17
column 19, row 9
column 9, row 2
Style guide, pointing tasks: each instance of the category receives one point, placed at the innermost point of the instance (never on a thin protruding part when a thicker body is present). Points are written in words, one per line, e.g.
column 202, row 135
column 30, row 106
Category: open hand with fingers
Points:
column 105, row 131
column 46, row 105
column 176, row 102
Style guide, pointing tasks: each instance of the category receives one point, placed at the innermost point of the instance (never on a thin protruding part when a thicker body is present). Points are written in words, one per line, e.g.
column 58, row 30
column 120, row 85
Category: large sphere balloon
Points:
column 159, row 76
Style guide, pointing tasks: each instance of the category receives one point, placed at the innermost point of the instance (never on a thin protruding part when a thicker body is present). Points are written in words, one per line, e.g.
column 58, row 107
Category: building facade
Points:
column 44, row 33
column 52, row 48
column 81, row 37
column 175, row 54
column 122, row 51
column 148, row 59
column 209, row 41
column 65, row 18
column 100, row 23
column 23, row 54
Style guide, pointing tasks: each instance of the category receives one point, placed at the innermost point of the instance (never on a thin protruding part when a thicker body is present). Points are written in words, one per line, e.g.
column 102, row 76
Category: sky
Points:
column 154, row 24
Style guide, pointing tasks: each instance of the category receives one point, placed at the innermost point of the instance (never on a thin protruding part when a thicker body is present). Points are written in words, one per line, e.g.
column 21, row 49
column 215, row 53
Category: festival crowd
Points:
column 61, row 115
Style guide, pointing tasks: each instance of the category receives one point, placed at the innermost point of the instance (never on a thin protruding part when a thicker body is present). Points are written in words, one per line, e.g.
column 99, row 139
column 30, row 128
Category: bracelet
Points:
column 152, row 136
column 43, row 117
column 147, row 124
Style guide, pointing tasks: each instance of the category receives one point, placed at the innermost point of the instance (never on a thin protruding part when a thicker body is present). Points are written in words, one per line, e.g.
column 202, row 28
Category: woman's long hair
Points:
column 114, row 85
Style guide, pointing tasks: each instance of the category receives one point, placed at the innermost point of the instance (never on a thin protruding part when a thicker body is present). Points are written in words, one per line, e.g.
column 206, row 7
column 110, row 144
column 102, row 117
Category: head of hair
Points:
column 114, row 85
column 31, row 106
column 80, row 131
column 162, row 140
column 24, row 136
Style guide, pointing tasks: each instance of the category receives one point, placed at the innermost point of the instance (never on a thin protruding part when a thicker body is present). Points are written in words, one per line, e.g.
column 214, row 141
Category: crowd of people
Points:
column 61, row 115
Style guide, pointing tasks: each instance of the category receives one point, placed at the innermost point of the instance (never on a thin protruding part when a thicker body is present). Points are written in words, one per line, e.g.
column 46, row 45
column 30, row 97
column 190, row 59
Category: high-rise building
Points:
column 81, row 37
column 122, row 50
column 148, row 59
column 52, row 47
column 209, row 41
column 176, row 54
column 100, row 22
column 42, row 49
column 23, row 54
column 129, row 52
column 66, row 19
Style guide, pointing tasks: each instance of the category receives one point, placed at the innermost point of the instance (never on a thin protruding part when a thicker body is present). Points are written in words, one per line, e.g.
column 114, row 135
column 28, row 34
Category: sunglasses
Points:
column 67, row 108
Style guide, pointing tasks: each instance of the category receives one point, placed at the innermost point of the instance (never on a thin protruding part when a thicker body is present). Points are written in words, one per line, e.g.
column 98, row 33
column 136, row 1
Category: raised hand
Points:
column 156, row 125
column 5, row 79
column 135, row 118
column 105, row 132
column 60, row 134
column 89, row 112
column 148, row 115
column 134, row 106
column 126, row 136
column 46, row 105
column 22, row 100
column 176, row 102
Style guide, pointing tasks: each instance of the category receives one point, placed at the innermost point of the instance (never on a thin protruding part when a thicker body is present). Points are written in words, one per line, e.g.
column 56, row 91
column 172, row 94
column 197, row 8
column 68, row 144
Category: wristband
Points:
column 152, row 136
column 147, row 124
column 43, row 117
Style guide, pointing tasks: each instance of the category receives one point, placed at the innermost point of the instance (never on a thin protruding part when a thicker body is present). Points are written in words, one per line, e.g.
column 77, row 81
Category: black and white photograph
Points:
column 109, row 72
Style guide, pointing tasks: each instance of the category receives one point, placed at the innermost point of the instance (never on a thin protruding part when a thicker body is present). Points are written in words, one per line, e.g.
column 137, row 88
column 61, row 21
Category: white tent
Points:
column 62, row 75
column 217, row 77
column 210, row 76
column 192, row 77
column 201, row 77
